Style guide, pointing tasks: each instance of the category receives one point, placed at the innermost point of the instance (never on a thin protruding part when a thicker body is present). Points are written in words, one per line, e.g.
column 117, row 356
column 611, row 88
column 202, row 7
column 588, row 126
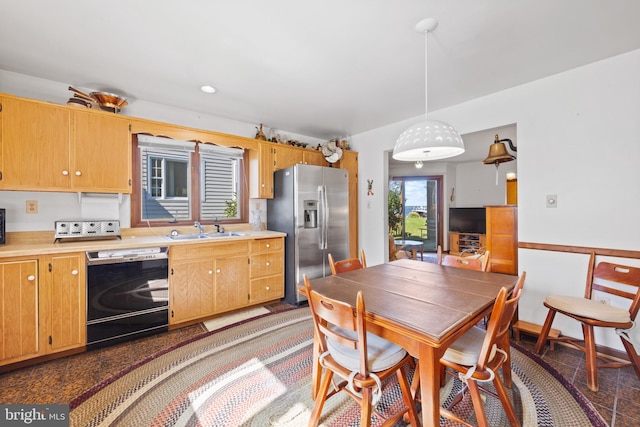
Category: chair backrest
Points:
column 328, row 313
column 349, row 264
column 617, row 273
column 499, row 323
column 470, row 262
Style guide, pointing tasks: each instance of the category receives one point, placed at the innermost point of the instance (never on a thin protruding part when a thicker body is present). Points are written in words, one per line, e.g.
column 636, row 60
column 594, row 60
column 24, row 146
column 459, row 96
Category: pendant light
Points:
column 429, row 139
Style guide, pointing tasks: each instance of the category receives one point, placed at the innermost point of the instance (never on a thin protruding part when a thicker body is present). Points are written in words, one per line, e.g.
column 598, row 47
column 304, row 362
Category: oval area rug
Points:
column 258, row 373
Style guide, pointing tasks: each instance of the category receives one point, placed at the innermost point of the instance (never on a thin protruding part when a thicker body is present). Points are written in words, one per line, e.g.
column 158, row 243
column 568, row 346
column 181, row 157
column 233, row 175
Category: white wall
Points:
column 578, row 138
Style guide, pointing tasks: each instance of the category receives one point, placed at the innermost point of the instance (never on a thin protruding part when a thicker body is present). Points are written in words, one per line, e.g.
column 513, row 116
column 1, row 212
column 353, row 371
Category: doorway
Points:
column 415, row 209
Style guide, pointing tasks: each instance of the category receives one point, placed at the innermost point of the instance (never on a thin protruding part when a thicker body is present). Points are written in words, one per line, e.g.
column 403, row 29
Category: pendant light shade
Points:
column 429, row 139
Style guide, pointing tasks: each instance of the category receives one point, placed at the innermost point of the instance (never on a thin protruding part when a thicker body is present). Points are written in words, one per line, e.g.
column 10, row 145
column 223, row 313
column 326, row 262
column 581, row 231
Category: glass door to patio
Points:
column 415, row 210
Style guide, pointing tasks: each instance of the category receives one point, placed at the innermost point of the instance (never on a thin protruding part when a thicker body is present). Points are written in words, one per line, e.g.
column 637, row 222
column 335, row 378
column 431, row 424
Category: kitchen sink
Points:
column 194, row 236
column 199, row 236
column 226, row 234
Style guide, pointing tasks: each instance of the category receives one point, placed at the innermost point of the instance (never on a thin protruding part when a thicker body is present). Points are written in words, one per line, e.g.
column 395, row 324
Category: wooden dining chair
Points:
column 349, row 264
column 361, row 360
column 477, row 356
column 478, row 262
column 605, row 279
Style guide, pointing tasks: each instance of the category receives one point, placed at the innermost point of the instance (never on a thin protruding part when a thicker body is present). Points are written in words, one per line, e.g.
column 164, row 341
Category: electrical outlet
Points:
column 604, row 301
column 32, row 206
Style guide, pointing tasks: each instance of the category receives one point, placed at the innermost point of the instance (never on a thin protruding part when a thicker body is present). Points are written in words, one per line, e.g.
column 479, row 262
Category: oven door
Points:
column 127, row 299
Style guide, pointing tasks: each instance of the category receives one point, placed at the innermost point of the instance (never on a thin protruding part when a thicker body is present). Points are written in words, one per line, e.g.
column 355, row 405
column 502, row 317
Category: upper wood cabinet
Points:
column 49, row 147
column 101, row 153
column 34, row 142
column 349, row 162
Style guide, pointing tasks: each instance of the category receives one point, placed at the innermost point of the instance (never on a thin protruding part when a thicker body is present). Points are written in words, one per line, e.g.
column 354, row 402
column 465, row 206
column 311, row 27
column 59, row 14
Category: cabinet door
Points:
column 19, row 310
column 191, row 290
column 232, row 283
column 34, row 145
column 502, row 239
column 267, row 165
column 67, row 301
column 101, row 155
column 287, row 156
column 313, row 157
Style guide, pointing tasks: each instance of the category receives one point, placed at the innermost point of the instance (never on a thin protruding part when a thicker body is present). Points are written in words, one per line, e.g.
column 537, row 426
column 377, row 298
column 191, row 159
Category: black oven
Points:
column 127, row 294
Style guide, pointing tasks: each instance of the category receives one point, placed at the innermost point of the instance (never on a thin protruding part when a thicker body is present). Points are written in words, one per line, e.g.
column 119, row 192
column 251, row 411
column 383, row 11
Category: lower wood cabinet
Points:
column 206, row 279
column 44, row 306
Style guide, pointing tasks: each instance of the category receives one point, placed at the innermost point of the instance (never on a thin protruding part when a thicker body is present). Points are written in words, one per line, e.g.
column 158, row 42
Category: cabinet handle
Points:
column 211, row 272
column 78, row 173
column 268, row 288
column 268, row 245
column 74, row 272
column 65, row 173
column 218, row 270
column 267, row 263
column 31, row 278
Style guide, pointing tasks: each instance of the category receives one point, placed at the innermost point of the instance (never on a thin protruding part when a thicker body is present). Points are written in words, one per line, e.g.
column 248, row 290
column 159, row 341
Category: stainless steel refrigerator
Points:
column 311, row 205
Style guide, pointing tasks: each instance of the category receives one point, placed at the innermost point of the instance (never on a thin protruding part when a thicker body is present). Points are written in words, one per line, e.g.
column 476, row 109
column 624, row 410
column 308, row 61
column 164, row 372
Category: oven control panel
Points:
column 86, row 229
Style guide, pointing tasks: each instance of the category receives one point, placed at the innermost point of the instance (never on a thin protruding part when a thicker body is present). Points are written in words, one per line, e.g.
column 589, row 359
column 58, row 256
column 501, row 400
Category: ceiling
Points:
column 322, row 69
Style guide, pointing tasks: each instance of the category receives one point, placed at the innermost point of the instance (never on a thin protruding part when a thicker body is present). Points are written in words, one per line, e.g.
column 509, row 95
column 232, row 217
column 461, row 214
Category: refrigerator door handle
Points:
column 324, row 216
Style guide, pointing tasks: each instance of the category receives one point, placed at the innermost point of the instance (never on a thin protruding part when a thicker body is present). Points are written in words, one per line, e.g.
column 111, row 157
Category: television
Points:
column 468, row 220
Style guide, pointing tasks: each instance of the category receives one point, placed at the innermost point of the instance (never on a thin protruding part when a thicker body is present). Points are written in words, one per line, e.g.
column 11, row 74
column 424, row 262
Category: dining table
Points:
column 421, row 306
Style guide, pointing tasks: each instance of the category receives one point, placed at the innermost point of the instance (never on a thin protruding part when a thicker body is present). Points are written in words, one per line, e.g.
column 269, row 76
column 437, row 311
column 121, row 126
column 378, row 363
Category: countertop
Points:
column 37, row 243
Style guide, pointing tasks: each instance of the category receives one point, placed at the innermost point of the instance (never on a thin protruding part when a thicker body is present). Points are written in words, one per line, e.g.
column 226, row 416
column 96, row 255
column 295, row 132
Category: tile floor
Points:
column 61, row 380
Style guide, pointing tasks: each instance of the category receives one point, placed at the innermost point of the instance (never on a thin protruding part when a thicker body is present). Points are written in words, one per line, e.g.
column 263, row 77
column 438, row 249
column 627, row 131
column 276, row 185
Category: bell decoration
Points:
column 498, row 154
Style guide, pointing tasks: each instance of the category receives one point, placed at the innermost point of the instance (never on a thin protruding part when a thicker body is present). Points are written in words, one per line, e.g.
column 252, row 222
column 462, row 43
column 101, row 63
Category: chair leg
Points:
column 321, row 397
column 365, row 407
column 478, row 405
column 408, row 396
column 633, row 355
column 590, row 355
column 544, row 333
column 506, row 402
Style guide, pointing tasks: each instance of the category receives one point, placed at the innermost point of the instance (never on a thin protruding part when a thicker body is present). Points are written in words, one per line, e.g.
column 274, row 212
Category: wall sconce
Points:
column 419, row 164
column 498, row 153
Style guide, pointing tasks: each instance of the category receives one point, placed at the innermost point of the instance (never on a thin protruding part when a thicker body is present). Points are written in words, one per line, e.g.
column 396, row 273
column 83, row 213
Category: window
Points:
column 182, row 181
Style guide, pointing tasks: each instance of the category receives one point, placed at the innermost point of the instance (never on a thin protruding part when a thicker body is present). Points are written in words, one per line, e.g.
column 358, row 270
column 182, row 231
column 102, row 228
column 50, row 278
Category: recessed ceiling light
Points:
column 208, row 89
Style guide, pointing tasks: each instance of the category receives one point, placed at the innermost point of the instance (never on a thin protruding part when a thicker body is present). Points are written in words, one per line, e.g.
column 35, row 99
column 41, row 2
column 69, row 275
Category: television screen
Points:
column 468, row 220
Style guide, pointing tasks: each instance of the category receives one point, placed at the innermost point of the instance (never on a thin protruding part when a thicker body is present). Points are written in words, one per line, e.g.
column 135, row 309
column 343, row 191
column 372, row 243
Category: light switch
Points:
column 552, row 201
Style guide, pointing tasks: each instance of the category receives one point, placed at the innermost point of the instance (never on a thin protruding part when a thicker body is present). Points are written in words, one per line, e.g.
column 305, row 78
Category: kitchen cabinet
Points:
column 191, row 282
column 349, row 162
column 49, row 147
column 19, row 290
column 63, row 302
column 34, row 146
column 266, row 166
column 313, row 157
column 46, row 309
column 101, row 153
column 502, row 238
column 267, row 270
column 231, row 277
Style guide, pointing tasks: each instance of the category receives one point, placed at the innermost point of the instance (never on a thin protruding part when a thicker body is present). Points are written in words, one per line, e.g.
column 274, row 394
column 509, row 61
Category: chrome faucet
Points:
column 199, row 227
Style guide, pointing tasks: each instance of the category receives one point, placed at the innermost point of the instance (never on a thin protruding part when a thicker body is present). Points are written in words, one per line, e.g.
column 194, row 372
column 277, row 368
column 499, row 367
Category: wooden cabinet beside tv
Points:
column 502, row 238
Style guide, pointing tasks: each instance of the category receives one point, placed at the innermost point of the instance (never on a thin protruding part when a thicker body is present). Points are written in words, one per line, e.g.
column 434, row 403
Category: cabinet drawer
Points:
column 191, row 251
column 267, row 264
column 227, row 249
column 267, row 289
column 267, row 245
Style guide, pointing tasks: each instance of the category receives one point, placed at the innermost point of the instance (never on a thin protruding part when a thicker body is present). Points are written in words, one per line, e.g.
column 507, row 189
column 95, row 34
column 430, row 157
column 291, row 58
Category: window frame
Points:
column 195, row 191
